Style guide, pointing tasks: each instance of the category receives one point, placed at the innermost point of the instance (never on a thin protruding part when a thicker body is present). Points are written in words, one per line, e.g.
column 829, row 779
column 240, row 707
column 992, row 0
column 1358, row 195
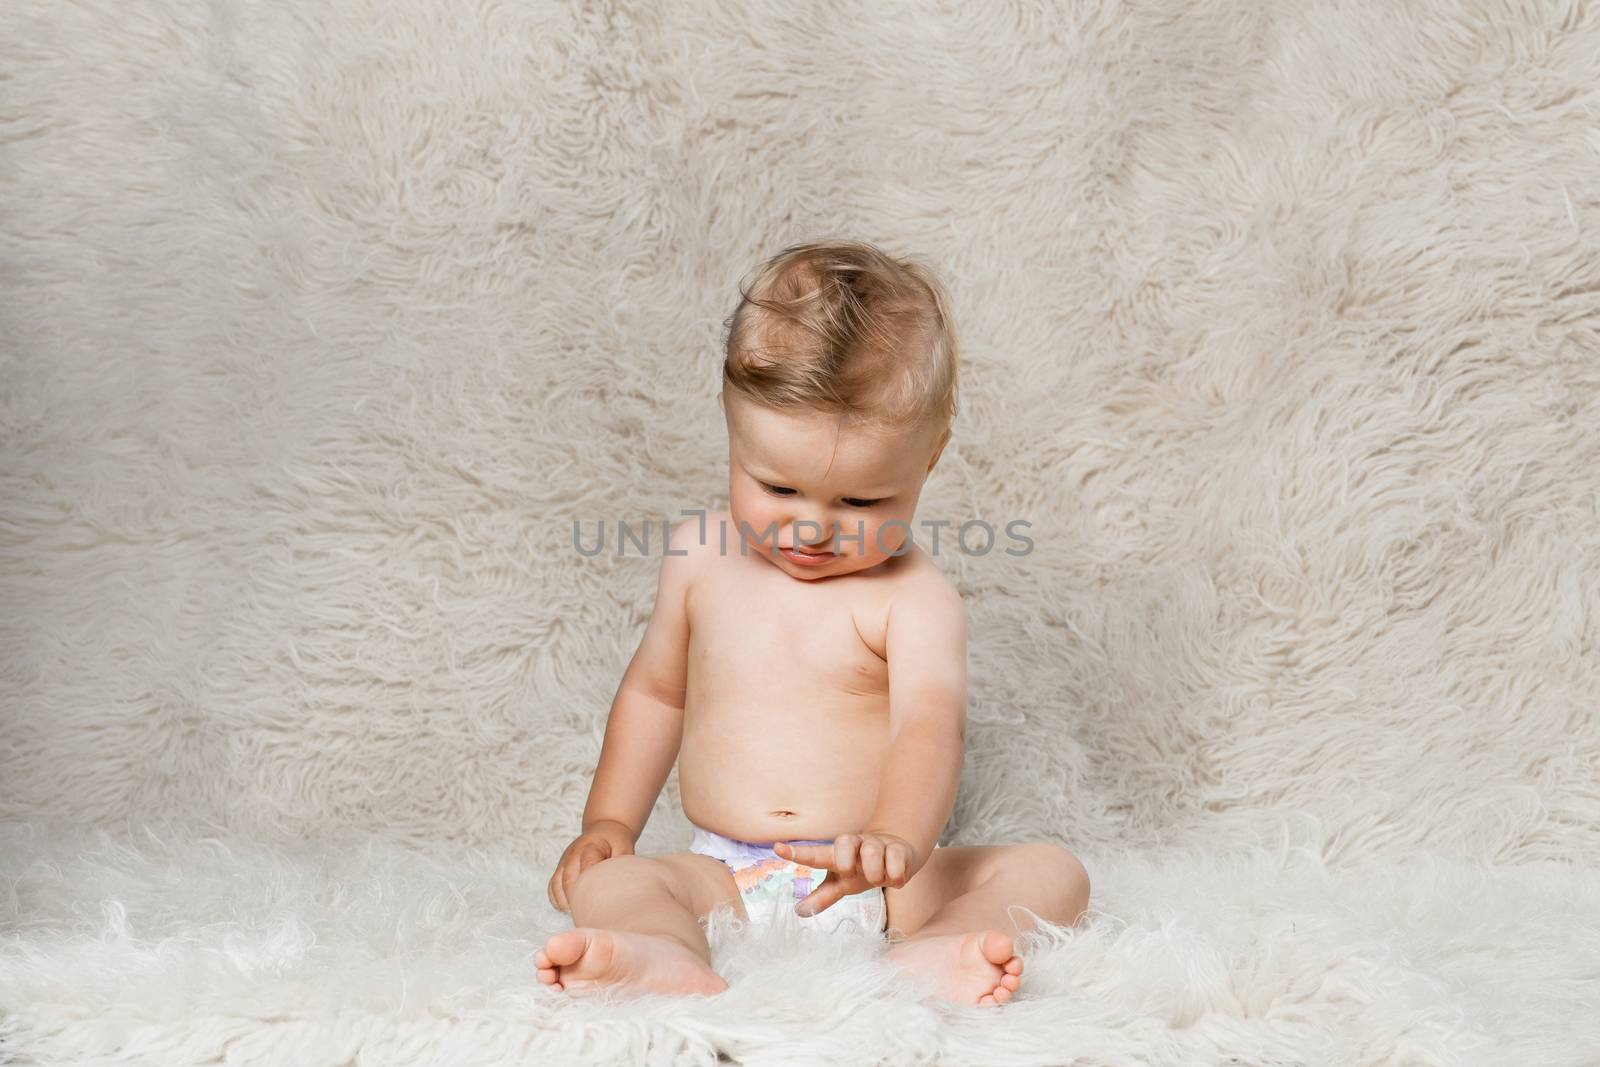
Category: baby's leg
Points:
column 637, row 926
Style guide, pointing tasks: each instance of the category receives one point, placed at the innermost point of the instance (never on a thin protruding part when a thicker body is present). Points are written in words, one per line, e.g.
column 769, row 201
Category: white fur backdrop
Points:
column 321, row 321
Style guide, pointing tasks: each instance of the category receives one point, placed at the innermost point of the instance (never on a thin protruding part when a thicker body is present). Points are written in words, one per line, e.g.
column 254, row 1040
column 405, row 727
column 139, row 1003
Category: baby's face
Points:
column 806, row 481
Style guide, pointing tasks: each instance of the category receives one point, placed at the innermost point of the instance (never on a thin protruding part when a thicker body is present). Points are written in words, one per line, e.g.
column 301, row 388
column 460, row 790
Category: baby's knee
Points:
column 618, row 874
column 1050, row 864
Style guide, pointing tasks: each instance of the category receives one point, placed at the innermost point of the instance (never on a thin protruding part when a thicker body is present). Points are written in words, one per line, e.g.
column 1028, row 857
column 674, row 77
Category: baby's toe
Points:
column 1011, row 982
column 1001, row 995
column 996, row 947
column 564, row 949
column 1014, row 965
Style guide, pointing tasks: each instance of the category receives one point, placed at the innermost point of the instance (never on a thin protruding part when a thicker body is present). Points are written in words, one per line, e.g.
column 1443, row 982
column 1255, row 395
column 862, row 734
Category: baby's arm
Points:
column 927, row 654
column 645, row 727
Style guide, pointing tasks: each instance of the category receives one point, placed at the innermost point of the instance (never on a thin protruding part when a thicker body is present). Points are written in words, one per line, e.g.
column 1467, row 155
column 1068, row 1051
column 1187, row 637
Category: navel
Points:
column 783, row 814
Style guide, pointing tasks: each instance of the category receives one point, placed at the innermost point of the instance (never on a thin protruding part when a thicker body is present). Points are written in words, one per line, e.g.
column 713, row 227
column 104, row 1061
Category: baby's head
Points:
column 839, row 387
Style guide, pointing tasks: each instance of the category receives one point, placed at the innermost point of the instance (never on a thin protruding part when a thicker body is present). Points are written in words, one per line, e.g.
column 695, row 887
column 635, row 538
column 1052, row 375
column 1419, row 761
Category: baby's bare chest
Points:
column 786, row 638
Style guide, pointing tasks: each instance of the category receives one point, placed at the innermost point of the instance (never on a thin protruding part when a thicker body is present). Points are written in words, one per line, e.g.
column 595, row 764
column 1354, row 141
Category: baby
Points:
column 806, row 663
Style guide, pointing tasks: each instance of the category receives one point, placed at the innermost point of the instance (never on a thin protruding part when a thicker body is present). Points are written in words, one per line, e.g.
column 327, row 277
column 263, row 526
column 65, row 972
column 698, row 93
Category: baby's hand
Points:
column 856, row 863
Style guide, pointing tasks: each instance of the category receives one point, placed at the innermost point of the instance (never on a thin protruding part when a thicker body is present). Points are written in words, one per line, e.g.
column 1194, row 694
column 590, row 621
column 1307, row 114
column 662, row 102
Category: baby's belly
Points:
column 782, row 773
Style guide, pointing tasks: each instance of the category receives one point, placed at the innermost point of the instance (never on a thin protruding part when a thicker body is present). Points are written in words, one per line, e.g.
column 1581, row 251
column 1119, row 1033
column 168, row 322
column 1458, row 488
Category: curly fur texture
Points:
column 321, row 323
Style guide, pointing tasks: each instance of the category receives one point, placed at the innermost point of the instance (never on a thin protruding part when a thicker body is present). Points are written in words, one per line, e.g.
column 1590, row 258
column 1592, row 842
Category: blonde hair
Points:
column 843, row 327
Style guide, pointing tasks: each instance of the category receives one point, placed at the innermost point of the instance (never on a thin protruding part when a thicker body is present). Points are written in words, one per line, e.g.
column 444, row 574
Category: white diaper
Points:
column 768, row 882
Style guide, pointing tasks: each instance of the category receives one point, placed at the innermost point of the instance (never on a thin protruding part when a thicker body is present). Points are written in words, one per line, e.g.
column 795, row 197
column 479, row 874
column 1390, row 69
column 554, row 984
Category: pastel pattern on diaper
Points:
column 768, row 879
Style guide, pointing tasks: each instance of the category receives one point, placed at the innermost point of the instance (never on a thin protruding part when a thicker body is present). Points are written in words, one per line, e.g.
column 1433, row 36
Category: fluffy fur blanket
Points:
column 322, row 322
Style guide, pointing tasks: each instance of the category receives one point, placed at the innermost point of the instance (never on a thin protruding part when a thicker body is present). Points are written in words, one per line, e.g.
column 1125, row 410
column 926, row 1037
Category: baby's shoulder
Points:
column 703, row 542
column 918, row 584
column 916, row 569
column 695, row 537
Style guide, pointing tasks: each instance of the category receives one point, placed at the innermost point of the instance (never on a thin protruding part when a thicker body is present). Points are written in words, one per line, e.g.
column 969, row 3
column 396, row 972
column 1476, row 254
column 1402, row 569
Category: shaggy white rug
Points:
column 321, row 323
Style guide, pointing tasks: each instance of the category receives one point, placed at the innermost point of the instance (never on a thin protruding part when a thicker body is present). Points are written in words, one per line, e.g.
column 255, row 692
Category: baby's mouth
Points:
column 803, row 555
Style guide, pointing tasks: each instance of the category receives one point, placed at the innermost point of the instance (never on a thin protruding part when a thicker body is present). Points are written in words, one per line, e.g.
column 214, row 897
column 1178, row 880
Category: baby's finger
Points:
column 569, row 874
column 895, row 862
column 586, row 857
column 844, row 853
column 820, row 856
column 562, row 878
column 821, row 897
column 872, row 862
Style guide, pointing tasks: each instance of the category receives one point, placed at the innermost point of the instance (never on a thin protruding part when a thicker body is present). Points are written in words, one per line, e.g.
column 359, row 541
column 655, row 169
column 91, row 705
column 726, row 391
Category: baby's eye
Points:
column 776, row 490
column 862, row 503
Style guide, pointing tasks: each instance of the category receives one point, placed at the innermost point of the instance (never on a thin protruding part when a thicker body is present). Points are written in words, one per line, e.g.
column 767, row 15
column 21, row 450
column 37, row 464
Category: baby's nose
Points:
column 807, row 535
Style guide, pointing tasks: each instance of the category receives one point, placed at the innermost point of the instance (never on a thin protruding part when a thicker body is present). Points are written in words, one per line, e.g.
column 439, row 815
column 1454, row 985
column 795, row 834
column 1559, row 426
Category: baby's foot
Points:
column 586, row 958
column 975, row 968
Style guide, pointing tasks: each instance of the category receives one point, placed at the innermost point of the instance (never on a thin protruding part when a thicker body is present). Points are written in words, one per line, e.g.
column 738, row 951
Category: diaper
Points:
column 768, row 882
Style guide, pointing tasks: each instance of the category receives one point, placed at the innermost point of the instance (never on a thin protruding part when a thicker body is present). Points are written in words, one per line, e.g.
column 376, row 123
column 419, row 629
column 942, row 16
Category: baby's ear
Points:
column 719, row 401
column 939, row 449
